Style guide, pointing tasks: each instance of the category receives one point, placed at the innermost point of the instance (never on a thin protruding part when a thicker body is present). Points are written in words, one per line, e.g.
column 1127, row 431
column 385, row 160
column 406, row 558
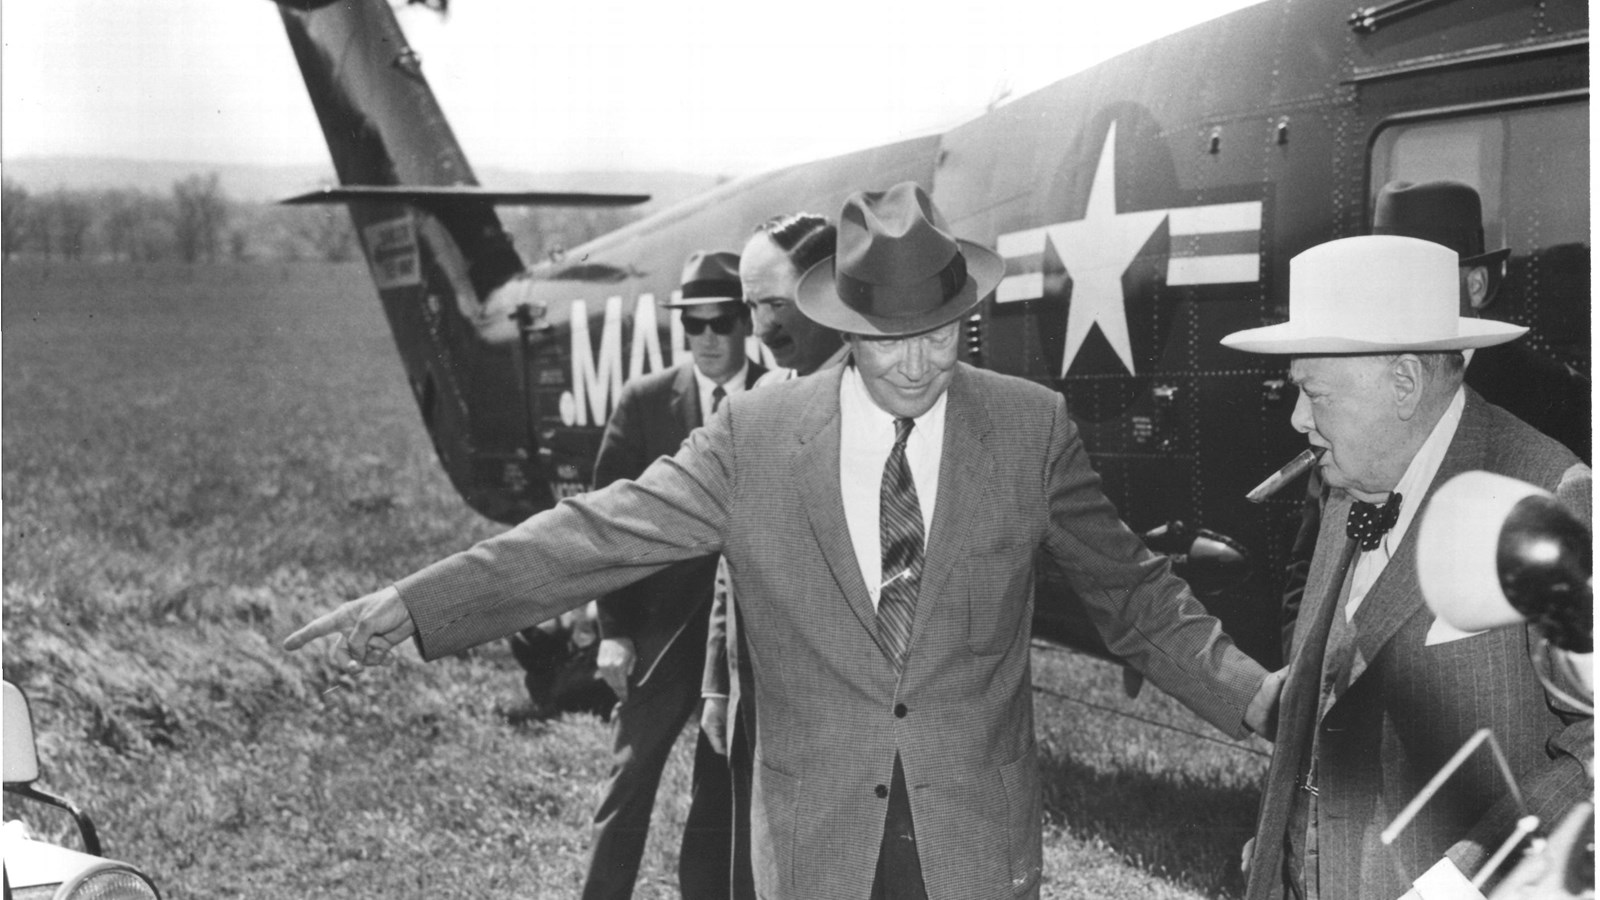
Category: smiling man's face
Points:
column 906, row 376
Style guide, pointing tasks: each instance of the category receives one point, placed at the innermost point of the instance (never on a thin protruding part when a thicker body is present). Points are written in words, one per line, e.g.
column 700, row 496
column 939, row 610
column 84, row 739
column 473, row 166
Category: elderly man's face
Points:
column 1348, row 404
column 716, row 338
column 906, row 376
column 769, row 282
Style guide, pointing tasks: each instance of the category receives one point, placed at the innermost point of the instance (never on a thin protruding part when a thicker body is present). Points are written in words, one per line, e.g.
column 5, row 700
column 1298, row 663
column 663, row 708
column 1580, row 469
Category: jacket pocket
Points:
column 774, row 802
column 999, row 597
column 1025, row 811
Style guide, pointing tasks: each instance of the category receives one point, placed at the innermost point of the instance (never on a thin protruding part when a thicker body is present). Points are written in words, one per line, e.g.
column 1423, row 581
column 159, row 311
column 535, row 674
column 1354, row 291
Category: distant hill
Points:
column 253, row 183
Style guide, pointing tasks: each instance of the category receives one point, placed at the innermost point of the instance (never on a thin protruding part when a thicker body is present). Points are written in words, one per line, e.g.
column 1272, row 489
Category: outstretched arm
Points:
column 556, row 560
column 1147, row 615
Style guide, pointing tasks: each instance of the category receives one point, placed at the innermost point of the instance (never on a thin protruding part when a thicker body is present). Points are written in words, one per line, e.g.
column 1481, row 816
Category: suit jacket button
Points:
column 900, row 710
column 881, row 790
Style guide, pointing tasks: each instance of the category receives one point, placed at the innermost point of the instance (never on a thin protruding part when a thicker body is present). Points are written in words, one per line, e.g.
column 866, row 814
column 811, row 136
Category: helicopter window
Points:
column 1530, row 166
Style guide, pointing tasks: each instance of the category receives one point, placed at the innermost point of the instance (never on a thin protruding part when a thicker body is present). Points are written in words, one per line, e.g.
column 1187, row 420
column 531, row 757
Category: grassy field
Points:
column 195, row 461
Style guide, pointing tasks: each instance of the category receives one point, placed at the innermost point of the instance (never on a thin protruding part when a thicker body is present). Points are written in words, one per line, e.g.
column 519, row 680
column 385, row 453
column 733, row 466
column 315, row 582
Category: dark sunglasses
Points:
column 720, row 325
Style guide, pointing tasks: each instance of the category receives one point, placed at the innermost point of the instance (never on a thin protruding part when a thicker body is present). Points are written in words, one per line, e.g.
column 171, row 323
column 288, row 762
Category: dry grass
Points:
column 197, row 460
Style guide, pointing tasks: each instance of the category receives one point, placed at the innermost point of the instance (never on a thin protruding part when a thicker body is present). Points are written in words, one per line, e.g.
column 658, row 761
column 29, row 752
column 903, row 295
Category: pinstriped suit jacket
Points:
column 1408, row 707
column 760, row 484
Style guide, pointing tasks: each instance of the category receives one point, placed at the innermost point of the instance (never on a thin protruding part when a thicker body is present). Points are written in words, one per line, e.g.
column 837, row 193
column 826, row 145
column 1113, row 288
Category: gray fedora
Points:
column 709, row 277
column 898, row 270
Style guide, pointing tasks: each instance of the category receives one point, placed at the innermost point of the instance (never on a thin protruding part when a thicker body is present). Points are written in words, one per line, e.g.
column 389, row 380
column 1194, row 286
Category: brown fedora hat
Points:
column 709, row 277
column 898, row 270
column 1445, row 212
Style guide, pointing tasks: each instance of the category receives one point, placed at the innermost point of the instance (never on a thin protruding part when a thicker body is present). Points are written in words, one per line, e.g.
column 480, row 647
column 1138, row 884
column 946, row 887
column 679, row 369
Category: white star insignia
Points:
column 1097, row 249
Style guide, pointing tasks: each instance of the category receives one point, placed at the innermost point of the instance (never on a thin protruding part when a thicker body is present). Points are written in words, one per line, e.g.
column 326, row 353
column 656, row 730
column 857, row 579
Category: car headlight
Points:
column 110, row 884
column 106, row 883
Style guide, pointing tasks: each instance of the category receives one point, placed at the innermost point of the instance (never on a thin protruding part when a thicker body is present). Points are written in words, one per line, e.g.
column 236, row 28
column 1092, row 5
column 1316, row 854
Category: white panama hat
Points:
column 1376, row 293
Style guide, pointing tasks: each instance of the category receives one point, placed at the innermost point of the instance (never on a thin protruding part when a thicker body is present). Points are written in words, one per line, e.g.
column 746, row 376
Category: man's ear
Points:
column 1406, row 380
column 1478, row 287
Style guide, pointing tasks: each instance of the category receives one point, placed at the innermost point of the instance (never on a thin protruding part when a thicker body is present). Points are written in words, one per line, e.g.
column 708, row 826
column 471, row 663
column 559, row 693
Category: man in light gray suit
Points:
column 881, row 520
column 1379, row 693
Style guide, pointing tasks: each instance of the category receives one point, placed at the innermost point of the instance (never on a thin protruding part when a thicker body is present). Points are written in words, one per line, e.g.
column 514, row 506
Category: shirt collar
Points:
column 733, row 385
column 1419, row 475
column 858, row 409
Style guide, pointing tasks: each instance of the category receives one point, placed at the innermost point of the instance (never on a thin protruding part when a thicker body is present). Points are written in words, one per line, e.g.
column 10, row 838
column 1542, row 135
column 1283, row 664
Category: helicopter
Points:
column 1144, row 208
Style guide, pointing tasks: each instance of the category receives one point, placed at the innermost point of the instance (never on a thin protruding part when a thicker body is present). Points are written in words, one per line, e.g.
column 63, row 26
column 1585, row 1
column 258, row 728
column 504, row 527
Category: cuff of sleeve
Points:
column 416, row 636
column 1445, row 882
column 708, row 695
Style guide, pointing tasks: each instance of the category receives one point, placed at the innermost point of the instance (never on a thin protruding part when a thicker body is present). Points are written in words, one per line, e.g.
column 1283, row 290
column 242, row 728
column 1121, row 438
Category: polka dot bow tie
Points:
column 1369, row 522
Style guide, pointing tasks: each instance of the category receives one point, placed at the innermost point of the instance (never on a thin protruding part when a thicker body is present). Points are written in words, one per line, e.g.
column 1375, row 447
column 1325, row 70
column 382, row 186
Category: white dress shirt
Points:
column 734, row 385
column 1413, row 487
column 866, row 435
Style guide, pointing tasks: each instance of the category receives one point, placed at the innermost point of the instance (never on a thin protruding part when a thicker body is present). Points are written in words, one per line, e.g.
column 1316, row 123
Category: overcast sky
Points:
column 725, row 86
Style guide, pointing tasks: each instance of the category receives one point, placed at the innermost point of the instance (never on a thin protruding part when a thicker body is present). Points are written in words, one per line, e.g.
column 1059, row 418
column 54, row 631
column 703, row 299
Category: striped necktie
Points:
column 900, row 537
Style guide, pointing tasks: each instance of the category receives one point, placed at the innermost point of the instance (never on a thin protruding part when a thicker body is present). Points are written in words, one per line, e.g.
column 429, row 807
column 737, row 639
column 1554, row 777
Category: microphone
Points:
column 1494, row 551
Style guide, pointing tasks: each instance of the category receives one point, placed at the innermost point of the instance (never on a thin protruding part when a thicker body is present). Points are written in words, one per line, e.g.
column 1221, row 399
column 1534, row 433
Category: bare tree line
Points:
column 196, row 222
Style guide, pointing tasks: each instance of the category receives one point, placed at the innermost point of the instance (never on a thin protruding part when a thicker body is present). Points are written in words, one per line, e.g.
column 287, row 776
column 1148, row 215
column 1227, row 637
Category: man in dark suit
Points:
column 881, row 521
column 653, row 632
column 1380, row 694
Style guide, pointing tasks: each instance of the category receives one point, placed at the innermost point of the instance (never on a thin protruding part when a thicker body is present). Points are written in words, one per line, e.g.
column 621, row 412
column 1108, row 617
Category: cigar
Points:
column 1293, row 469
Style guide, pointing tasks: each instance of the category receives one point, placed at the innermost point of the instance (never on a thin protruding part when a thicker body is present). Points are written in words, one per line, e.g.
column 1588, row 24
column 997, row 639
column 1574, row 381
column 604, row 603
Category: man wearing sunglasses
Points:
column 651, row 652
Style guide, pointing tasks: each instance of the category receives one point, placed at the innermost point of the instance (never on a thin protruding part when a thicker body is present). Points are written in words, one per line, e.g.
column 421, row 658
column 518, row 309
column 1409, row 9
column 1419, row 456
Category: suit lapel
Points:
column 1395, row 596
column 965, row 466
column 1302, row 693
column 752, row 374
column 686, row 399
column 1324, row 584
column 1326, row 578
column 816, row 473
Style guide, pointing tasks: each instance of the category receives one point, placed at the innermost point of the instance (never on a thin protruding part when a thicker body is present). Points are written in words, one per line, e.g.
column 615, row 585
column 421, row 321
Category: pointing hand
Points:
column 368, row 628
